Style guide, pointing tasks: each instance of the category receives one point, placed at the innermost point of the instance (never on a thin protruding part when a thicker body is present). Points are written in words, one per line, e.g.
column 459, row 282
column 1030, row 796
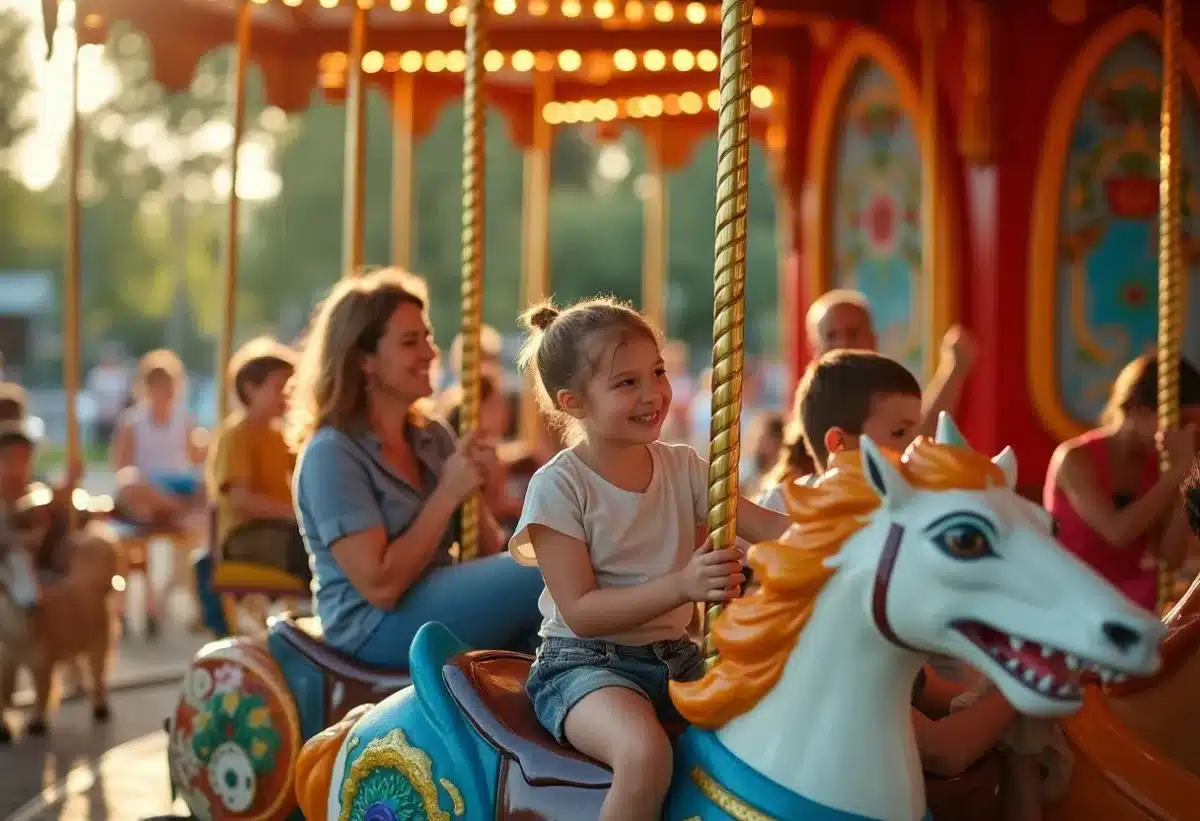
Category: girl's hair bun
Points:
column 541, row 317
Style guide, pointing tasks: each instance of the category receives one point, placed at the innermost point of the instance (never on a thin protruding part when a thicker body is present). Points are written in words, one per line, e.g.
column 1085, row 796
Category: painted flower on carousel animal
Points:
column 387, row 795
column 236, row 742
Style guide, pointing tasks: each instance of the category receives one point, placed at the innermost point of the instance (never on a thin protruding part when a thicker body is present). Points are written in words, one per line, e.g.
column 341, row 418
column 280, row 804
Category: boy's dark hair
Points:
column 255, row 362
column 838, row 391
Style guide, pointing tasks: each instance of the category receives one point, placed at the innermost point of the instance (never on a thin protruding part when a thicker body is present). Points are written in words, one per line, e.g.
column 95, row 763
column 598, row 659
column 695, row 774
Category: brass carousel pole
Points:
column 1171, row 266
column 655, row 223
column 72, row 277
column 356, row 132
column 535, row 228
column 403, row 152
column 229, row 292
column 474, row 137
column 733, row 173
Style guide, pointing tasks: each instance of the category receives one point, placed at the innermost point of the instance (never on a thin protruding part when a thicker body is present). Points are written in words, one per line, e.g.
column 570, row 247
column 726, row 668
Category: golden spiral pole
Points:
column 1170, row 250
column 472, row 246
column 729, row 285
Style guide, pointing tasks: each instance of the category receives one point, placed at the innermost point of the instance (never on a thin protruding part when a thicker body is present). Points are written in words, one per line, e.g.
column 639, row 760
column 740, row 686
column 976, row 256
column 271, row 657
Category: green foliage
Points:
column 153, row 228
column 16, row 80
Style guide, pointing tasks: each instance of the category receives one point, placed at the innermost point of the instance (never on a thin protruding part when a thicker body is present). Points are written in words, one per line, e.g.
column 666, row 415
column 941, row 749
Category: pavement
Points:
column 112, row 772
column 87, row 772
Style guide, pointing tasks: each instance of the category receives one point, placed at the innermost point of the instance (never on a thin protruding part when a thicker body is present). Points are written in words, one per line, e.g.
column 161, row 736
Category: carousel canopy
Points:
column 296, row 43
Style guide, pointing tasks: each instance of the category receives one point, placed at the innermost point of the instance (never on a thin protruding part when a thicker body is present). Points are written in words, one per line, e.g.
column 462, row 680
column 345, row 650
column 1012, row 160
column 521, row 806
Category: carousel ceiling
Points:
column 296, row 43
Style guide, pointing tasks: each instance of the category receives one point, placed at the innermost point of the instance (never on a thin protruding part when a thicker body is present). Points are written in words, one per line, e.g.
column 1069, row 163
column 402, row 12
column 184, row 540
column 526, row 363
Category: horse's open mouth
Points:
column 1047, row 670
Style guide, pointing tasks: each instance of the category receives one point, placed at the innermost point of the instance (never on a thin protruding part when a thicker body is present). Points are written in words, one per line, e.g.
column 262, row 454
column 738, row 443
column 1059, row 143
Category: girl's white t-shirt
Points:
column 632, row 538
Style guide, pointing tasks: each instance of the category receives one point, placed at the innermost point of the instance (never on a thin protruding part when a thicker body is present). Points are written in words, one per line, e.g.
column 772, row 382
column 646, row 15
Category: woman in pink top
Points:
column 1112, row 507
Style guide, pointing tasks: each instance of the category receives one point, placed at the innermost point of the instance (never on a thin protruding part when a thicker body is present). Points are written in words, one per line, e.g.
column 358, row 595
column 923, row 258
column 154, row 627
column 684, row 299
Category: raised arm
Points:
column 1072, row 471
column 945, row 389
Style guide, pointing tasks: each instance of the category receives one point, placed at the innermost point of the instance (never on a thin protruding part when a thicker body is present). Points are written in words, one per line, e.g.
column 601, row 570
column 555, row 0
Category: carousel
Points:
column 911, row 142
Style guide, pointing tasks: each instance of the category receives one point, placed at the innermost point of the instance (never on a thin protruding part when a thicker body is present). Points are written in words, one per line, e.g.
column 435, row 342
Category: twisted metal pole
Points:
column 729, row 285
column 472, row 247
column 1171, row 265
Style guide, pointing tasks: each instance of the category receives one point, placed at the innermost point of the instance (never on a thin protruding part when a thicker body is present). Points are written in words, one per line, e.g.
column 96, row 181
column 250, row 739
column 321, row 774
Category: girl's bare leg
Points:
column 619, row 727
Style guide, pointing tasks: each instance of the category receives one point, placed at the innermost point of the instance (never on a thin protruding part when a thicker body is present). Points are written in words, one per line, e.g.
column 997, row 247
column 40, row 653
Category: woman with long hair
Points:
column 379, row 485
column 1112, row 507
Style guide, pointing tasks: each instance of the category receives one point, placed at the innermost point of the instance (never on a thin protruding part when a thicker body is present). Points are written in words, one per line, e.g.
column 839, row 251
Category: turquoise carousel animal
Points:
column 805, row 716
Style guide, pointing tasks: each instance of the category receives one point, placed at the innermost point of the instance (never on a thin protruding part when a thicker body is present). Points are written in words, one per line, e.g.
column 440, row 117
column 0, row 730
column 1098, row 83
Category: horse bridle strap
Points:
column 883, row 579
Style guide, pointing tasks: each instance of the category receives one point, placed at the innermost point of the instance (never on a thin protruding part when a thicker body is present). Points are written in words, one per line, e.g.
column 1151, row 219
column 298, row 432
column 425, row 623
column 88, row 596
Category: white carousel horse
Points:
column 806, row 716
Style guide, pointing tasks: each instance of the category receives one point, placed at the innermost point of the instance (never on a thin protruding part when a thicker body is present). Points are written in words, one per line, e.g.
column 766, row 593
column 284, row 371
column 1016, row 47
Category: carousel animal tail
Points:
column 316, row 762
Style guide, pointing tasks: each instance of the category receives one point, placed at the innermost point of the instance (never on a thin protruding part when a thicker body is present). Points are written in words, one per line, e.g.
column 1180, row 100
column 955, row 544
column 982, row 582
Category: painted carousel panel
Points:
column 1106, row 289
column 876, row 208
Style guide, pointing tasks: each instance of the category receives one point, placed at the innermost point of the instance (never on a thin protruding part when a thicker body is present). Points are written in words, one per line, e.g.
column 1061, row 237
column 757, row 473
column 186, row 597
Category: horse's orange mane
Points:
column 755, row 634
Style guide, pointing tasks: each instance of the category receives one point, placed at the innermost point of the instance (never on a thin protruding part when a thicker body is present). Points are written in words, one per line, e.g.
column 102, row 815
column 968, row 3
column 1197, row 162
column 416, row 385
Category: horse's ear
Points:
column 886, row 480
column 1006, row 460
column 948, row 432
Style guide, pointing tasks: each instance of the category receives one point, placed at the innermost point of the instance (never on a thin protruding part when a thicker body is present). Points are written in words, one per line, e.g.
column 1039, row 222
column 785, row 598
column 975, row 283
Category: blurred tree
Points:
column 16, row 81
column 151, row 223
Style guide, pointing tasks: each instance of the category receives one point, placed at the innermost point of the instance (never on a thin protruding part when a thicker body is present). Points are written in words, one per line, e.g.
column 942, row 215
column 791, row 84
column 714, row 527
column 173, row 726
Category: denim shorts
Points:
column 567, row 669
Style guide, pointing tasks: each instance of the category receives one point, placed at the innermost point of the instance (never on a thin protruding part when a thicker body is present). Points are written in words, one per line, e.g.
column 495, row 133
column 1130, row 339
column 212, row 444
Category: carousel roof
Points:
column 296, row 43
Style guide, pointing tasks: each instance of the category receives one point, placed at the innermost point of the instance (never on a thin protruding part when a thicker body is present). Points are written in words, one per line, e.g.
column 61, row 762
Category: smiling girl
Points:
column 613, row 523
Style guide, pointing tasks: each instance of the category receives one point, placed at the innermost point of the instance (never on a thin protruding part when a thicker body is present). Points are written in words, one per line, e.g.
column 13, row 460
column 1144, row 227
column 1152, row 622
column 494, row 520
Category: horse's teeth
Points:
column 1047, row 652
column 1029, row 676
column 1016, row 643
column 1106, row 675
column 1067, row 690
column 1046, row 683
column 1072, row 663
column 1119, row 677
column 1013, row 664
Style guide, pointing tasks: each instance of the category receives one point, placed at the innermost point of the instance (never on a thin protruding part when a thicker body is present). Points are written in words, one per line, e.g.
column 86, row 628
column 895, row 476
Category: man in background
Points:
column 841, row 319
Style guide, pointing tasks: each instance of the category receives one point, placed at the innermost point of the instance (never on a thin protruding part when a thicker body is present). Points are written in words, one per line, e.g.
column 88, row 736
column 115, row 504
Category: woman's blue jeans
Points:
column 489, row 603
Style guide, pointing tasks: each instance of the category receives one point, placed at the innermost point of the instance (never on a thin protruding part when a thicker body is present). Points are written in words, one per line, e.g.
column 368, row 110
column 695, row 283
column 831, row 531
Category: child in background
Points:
column 766, row 440
column 250, row 471
column 249, row 474
column 157, row 448
column 612, row 522
column 842, row 396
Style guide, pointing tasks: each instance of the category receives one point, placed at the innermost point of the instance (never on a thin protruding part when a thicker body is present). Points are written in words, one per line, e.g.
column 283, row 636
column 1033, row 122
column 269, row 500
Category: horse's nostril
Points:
column 1122, row 636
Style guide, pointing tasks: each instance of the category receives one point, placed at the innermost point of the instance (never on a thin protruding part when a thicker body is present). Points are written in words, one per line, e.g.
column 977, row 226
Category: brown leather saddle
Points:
column 346, row 682
column 540, row 779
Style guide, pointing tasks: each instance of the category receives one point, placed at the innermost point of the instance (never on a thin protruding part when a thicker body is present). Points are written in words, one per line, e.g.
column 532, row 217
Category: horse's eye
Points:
column 965, row 541
column 1054, row 527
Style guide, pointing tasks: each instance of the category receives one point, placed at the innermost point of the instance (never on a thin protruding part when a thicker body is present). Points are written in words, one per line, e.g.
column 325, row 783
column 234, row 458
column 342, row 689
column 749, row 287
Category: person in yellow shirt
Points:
column 249, row 473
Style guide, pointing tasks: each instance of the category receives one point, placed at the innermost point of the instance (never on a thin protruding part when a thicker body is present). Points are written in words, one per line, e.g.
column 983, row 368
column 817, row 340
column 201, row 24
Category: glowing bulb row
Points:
column 635, row 11
column 623, row 60
column 644, row 106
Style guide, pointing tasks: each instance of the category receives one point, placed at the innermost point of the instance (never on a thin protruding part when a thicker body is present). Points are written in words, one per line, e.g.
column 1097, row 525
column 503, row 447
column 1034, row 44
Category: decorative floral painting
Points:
column 877, row 207
column 1107, row 288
